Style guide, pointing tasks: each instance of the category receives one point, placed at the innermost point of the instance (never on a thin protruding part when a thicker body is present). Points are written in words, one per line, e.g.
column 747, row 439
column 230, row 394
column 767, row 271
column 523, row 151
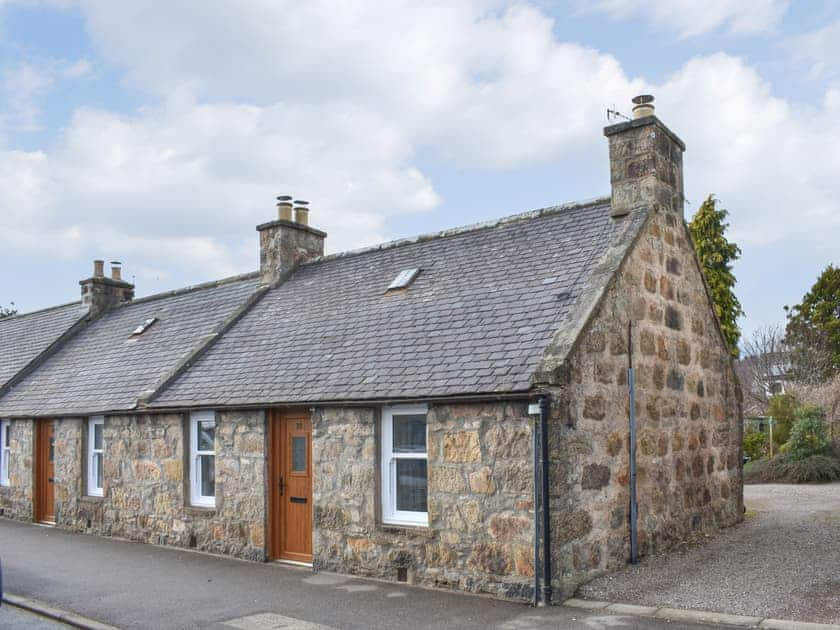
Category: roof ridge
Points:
column 212, row 284
column 40, row 310
column 473, row 227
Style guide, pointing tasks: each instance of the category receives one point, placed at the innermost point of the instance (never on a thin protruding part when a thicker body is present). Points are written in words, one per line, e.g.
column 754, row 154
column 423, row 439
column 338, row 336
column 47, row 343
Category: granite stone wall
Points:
column 480, row 533
column 146, row 486
column 688, row 416
column 16, row 498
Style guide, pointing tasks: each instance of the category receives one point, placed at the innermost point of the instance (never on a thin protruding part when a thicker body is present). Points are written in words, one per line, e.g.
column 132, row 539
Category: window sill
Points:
column 91, row 498
column 408, row 530
column 200, row 510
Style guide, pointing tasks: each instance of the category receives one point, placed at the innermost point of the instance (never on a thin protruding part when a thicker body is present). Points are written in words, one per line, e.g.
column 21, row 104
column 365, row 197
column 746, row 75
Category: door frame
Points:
column 276, row 461
column 40, row 481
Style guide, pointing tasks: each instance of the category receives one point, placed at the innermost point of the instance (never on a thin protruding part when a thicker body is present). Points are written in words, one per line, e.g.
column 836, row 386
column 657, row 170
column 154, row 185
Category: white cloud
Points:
column 24, row 86
column 176, row 182
column 773, row 164
column 820, row 49
column 690, row 18
column 333, row 101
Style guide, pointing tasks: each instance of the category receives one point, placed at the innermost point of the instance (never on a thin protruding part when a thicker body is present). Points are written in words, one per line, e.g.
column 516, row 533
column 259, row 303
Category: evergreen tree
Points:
column 7, row 312
column 716, row 255
column 813, row 329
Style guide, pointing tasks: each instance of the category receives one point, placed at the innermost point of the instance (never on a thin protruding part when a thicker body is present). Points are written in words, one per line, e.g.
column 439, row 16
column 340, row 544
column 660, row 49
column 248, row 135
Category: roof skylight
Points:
column 144, row 326
column 403, row 279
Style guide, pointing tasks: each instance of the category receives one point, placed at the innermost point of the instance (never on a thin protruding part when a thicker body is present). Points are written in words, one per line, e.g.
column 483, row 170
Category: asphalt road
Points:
column 17, row 619
column 783, row 562
column 132, row 585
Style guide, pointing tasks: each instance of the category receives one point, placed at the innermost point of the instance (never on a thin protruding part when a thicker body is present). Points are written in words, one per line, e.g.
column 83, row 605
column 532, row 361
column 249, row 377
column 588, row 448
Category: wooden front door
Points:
column 45, row 472
column 290, row 486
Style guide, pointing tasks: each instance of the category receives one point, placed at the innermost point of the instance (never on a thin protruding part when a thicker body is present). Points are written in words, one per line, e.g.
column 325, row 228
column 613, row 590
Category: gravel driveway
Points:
column 783, row 562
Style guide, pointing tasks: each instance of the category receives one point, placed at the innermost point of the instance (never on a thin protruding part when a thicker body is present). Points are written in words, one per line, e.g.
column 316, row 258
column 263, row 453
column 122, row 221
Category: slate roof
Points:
column 476, row 320
column 24, row 337
column 105, row 368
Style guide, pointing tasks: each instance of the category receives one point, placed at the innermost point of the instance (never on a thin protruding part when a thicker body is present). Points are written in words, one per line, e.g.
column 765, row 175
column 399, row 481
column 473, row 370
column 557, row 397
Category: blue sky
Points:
column 159, row 133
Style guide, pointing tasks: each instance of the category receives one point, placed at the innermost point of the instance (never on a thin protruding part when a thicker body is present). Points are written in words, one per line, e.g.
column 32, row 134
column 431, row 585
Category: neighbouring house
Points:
column 416, row 411
column 763, row 376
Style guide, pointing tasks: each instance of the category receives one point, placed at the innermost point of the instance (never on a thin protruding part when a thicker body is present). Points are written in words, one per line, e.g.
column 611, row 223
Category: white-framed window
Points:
column 5, row 451
column 203, row 458
column 405, row 477
column 96, row 456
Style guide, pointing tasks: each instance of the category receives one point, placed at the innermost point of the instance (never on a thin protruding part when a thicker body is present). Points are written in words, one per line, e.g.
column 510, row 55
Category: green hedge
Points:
column 783, row 469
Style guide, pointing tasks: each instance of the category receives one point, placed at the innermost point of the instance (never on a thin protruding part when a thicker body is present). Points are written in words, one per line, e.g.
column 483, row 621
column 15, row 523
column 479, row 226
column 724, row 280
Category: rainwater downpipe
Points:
column 634, row 507
column 546, row 508
column 535, row 432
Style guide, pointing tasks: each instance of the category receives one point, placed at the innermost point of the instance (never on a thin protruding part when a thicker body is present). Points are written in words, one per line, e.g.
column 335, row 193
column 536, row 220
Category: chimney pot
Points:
column 116, row 270
column 643, row 106
column 284, row 208
column 98, row 268
column 301, row 212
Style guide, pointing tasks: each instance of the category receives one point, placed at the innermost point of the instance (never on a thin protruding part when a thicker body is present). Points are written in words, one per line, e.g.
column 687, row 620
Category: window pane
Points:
column 206, row 434
column 410, row 434
column 208, row 475
column 52, row 449
column 411, row 485
column 99, row 476
column 97, row 437
column 298, row 454
column 7, row 440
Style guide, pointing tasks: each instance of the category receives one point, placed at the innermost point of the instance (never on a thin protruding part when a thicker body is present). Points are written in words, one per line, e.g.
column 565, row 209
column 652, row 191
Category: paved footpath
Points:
column 12, row 618
column 132, row 585
column 782, row 562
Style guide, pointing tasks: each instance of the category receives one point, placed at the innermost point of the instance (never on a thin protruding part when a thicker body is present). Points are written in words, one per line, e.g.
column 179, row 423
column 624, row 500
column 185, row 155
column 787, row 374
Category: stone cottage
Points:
column 452, row 410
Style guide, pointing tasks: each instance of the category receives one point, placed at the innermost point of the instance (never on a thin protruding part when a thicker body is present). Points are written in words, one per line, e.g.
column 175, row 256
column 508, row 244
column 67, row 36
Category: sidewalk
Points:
column 131, row 585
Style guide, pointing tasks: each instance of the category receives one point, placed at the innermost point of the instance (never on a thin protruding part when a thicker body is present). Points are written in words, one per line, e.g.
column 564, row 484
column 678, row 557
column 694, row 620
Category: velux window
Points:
column 203, row 458
column 5, row 452
column 404, row 465
column 96, row 456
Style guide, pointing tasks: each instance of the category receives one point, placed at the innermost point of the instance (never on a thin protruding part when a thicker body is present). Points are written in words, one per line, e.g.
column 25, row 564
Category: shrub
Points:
column 755, row 444
column 816, row 468
column 781, row 469
column 809, row 435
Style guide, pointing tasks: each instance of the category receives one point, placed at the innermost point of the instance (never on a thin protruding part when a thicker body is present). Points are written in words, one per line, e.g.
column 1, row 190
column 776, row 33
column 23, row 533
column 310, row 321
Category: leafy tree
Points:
column 782, row 408
column 716, row 255
column 813, row 329
column 809, row 435
column 7, row 312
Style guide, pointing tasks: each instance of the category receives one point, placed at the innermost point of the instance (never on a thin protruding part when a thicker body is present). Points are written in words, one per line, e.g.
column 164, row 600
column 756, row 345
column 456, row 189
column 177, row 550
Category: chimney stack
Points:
column 100, row 293
column 646, row 170
column 284, row 243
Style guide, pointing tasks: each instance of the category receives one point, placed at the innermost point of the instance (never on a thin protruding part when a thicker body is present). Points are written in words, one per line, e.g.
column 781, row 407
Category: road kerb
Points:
column 586, row 604
column 697, row 616
column 783, row 624
column 705, row 616
column 51, row 612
